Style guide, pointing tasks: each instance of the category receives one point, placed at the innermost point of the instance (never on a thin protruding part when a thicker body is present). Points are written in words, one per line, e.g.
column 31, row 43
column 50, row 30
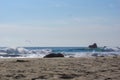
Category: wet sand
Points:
column 100, row 68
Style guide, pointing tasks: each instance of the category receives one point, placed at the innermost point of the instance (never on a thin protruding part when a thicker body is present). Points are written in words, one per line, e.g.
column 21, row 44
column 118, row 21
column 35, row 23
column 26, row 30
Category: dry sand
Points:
column 102, row 68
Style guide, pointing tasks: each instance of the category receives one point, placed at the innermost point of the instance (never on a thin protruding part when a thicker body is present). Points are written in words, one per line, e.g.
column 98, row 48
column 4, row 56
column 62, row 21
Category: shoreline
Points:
column 98, row 68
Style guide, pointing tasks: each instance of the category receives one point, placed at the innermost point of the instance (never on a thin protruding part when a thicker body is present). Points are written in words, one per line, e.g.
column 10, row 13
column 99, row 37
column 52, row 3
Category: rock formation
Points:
column 51, row 55
column 93, row 46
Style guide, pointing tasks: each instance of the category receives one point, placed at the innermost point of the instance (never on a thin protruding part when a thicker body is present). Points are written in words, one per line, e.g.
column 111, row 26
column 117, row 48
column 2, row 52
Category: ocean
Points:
column 40, row 52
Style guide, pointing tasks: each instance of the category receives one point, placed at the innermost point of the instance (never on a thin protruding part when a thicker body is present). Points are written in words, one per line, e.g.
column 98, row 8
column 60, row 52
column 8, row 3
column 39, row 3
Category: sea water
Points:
column 40, row 52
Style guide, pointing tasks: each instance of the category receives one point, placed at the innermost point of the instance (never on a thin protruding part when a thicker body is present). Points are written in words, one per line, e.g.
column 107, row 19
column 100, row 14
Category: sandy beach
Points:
column 100, row 68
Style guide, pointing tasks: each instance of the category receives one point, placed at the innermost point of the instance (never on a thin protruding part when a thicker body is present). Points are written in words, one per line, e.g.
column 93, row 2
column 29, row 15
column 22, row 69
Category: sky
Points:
column 59, row 22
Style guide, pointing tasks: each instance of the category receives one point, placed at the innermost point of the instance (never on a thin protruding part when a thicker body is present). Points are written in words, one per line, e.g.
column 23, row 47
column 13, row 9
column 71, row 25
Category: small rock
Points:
column 93, row 46
column 21, row 60
column 51, row 55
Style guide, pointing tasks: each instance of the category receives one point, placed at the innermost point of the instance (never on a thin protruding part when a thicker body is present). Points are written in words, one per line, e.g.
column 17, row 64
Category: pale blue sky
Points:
column 59, row 22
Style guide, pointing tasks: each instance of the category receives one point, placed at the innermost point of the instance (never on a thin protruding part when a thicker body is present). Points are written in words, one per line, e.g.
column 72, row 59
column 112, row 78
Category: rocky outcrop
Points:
column 93, row 46
column 52, row 55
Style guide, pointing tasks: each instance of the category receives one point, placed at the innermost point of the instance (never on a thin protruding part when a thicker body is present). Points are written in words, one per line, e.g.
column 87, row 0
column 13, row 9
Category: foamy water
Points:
column 40, row 52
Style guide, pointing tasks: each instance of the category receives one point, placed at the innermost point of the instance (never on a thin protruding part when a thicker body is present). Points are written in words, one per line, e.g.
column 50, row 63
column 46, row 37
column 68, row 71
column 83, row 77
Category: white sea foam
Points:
column 20, row 52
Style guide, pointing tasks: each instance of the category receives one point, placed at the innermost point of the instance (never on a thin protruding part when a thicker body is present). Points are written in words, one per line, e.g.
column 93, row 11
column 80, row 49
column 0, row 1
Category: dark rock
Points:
column 21, row 60
column 93, row 46
column 64, row 76
column 51, row 55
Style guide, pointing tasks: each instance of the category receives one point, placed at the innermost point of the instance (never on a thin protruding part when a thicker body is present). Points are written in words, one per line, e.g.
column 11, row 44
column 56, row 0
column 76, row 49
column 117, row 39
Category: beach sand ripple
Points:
column 99, row 68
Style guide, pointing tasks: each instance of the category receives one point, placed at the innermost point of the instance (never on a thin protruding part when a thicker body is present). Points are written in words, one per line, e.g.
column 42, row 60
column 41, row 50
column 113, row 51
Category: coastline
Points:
column 97, row 68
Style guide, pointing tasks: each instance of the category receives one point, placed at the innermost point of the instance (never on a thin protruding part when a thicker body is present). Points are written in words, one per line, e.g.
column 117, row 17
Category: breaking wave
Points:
column 40, row 52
